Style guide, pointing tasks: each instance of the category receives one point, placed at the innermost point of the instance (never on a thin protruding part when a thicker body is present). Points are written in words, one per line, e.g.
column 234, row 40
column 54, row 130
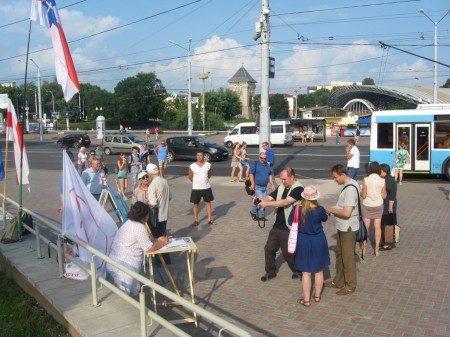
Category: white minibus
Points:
column 280, row 134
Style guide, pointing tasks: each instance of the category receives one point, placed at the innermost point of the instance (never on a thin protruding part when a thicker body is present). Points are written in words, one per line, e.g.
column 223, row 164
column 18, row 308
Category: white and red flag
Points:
column 66, row 74
column 84, row 217
column 14, row 134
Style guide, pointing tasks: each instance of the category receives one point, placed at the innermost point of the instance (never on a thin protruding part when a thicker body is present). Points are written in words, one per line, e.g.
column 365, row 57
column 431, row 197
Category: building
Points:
column 244, row 85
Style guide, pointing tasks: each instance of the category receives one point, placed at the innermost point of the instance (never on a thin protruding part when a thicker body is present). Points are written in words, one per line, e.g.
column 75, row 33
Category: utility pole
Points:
column 296, row 90
column 203, row 76
column 264, row 33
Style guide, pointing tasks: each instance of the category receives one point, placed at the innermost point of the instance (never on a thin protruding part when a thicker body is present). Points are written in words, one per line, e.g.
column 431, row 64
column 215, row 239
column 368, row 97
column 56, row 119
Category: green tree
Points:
column 317, row 98
column 279, row 107
column 140, row 98
column 368, row 81
column 447, row 84
column 225, row 103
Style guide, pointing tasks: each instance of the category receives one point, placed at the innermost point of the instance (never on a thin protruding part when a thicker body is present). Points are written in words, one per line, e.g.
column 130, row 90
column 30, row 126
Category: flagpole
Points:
column 23, row 140
column 5, row 180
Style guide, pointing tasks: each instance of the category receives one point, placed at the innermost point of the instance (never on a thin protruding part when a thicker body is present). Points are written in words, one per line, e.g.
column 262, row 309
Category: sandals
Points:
column 195, row 224
column 212, row 222
column 303, row 302
column 317, row 299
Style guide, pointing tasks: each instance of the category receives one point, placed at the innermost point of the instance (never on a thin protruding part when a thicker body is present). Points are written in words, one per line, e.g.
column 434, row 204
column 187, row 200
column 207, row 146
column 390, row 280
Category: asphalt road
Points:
column 308, row 160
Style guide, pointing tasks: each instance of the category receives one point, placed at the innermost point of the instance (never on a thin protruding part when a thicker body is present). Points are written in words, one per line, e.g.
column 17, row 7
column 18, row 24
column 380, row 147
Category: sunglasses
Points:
column 92, row 154
column 263, row 158
column 144, row 177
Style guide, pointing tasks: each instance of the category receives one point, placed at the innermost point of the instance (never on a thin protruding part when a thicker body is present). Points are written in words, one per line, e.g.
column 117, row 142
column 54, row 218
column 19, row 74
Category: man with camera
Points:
column 260, row 175
column 283, row 198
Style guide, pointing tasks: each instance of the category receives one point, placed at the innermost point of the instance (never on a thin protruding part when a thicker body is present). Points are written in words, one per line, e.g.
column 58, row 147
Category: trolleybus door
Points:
column 421, row 155
column 404, row 137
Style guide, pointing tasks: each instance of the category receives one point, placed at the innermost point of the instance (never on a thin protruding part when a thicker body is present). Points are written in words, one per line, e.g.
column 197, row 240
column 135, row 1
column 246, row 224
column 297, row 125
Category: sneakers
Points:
column 268, row 277
column 254, row 218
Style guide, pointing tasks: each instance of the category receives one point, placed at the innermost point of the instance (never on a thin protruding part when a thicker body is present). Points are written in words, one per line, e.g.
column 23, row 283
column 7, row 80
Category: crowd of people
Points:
column 293, row 203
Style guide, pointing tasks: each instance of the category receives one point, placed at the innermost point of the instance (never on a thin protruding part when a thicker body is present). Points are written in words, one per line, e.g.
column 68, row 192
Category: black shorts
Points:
column 197, row 195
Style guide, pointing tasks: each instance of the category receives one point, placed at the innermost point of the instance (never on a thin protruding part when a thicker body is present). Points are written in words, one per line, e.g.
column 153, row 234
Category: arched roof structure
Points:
column 381, row 96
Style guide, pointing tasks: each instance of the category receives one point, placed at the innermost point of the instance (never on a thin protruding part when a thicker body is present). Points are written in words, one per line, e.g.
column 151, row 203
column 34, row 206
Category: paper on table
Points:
column 176, row 243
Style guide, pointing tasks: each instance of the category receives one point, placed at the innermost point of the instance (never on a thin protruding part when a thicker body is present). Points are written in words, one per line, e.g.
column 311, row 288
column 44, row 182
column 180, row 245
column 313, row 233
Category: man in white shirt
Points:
column 199, row 174
column 353, row 158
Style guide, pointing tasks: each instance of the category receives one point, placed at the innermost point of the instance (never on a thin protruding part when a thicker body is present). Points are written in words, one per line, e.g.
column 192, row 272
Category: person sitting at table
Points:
column 129, row 245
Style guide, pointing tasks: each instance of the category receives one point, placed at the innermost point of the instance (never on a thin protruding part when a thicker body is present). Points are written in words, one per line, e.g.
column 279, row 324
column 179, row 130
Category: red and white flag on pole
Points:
column 84, row 217
column 14, row 134
column 66, row 74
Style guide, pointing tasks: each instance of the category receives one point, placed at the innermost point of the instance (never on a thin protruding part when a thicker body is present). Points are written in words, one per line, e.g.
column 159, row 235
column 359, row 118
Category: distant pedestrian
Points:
column 81, row 160
column 244, row 161
column 135, row 165
column 311, row 137
column 156, row 133
column 162, row 152
column 69, row 153
column 357, row 134
column 147, row 134
column 338, row 136
column 311, row 254
column 353, row 156
column 402, row 158
column 236, row 161
column 94, row 179
column 270, row 154
column 144, row 156
column 122, row 174
column 199, row 174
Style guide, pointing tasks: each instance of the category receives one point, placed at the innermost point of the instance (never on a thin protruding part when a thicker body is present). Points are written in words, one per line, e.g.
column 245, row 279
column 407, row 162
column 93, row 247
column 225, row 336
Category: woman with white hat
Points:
column 311, row 254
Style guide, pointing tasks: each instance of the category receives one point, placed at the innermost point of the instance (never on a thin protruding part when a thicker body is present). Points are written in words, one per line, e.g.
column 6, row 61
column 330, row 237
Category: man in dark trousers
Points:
column 283, row 198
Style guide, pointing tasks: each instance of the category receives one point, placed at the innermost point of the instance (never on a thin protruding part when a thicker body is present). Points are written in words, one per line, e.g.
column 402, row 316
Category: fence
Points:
column 144, row 312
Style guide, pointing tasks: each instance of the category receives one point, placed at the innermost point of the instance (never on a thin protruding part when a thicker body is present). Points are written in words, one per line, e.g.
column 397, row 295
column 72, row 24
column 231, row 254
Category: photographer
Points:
column 352, row 154
column 284, row 198
column 260, row 175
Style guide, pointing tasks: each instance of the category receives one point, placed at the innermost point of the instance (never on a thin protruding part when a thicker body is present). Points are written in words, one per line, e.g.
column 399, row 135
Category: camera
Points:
column 257, row 201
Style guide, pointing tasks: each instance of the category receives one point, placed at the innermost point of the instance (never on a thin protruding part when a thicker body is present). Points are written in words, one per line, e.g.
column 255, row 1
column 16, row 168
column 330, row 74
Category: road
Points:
column 308, row 160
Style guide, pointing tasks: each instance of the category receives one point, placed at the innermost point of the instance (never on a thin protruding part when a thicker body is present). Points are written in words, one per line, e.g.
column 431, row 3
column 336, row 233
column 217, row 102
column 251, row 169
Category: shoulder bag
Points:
column 293, row 233
column 362, row 232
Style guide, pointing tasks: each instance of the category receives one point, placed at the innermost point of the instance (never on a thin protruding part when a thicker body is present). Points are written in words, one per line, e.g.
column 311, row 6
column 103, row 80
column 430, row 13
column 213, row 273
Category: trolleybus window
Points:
column 385, row 136
column 442, row 135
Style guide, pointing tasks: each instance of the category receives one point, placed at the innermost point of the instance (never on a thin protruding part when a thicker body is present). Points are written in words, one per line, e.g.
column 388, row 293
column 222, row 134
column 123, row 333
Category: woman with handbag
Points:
column 390, row 203
column 373, row 192
column 311, row 254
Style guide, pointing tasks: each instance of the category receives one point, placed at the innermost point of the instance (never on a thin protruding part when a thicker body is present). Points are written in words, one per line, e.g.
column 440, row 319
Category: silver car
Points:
column 116, row 143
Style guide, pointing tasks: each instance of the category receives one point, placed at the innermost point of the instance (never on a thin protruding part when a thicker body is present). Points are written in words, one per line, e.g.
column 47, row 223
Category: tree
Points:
column 225, row 103
column 279, row 107
column 447, row 84
column 317, row 98
column 140, row 98
column 368, row 81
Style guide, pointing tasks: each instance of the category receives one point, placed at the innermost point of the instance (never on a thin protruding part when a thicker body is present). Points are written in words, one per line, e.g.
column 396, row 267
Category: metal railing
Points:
column 144, row 312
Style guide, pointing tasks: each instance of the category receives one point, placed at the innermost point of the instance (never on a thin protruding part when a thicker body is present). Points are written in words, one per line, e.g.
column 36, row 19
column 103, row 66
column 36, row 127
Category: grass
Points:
column 21, row 315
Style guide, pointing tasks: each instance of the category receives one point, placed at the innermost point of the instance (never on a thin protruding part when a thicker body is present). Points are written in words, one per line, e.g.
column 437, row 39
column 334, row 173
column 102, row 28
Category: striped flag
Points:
column 66, row 74
column 84, row 218
column 14, row 134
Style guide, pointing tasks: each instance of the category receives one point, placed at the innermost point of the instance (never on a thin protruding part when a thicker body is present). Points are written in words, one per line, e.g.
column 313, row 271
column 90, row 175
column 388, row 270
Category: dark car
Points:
column 74, row 140
column 186, row 147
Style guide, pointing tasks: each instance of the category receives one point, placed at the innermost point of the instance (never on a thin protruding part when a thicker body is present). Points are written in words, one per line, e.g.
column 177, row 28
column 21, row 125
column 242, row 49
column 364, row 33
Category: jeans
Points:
column 260, row 192
column 353, row 172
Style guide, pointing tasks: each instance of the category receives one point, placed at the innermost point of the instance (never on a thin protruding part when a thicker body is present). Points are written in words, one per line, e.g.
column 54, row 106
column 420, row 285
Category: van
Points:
column 280, row 134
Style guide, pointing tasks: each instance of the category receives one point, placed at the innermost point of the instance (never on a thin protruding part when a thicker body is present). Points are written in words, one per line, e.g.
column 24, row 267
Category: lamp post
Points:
column 189, row 84
column 41, row 128
column 435, row 23
column 53, row 99
column 203, row 76
column 296, row 90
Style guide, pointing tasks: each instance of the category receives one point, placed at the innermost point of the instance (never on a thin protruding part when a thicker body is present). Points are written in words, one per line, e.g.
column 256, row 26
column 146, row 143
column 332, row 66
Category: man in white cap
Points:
column 159, row 196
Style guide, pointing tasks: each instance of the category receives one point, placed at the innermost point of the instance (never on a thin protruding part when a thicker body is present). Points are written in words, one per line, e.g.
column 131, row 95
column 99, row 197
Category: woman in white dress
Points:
column 130, row 244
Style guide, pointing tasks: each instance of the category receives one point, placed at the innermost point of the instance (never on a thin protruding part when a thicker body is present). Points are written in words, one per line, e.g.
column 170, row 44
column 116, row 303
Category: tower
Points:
column 244, row 85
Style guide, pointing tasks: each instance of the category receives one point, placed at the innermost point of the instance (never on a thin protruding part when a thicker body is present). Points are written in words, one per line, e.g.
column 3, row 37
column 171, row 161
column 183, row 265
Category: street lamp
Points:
column 53, row 99
column 189, row 84
column 435, row 23
column 41, row 127
column 296, row 90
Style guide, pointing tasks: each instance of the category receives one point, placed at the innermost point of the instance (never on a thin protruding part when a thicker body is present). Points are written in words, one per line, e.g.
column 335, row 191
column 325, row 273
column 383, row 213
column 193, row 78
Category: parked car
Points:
column 186, row 147
column 116, row 143
column 75, row 140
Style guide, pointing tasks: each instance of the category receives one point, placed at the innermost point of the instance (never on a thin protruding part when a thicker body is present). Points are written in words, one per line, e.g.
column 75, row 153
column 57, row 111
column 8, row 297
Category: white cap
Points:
column 152, row 169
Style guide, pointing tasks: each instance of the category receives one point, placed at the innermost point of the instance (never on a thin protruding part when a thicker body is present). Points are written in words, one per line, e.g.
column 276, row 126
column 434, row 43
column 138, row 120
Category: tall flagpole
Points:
column 23, row 140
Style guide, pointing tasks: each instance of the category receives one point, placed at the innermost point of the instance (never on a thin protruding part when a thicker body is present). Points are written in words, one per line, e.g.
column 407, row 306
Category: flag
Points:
column 66, row 74
column 84, row 218
column 14, row 134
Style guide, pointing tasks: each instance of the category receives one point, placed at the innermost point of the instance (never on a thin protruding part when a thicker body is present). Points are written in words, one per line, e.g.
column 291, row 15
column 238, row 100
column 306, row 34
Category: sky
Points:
column 313, row 42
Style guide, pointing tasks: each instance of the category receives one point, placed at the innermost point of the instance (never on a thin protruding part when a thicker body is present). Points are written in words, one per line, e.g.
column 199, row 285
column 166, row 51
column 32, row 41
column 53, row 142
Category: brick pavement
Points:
column 404, row 292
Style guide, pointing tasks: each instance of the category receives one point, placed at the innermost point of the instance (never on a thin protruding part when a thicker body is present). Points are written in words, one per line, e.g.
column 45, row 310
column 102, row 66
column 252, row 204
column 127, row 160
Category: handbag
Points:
column 293, row 233
column 362, row 231
column 249, row 191
column 390, row 229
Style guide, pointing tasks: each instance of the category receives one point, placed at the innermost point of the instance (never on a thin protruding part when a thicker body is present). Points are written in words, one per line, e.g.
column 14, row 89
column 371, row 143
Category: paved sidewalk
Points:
column 404, row 292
